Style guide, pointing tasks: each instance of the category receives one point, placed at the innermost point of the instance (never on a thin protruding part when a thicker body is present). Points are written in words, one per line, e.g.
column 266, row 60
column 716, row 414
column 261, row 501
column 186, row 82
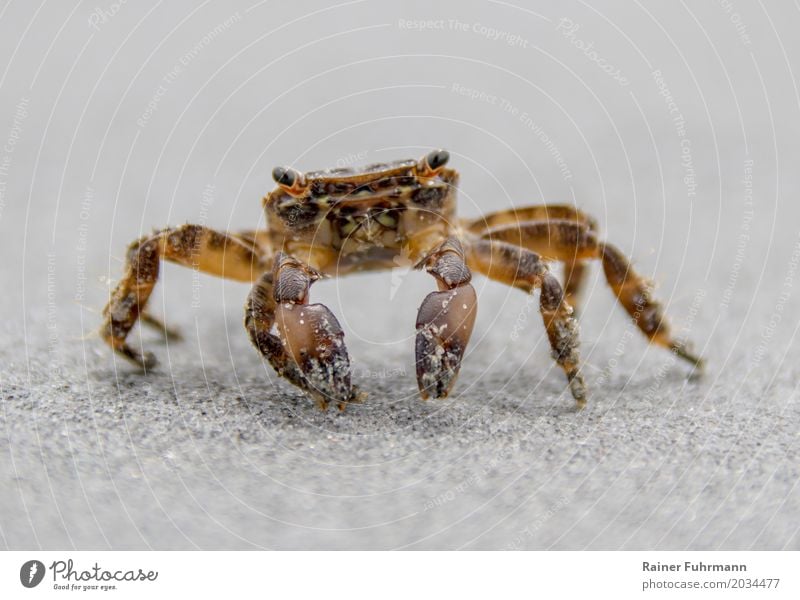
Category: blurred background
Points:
column 676, row 125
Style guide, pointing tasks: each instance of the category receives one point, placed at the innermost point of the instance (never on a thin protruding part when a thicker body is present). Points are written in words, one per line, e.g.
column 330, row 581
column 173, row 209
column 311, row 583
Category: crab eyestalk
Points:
column 433, row 162
column 292, row 181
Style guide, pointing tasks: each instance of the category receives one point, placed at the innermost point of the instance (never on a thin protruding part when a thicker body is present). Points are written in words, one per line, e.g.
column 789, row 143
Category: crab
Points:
column 339, row 221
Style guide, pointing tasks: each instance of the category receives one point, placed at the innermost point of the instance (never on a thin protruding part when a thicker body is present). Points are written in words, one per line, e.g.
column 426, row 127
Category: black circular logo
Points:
column 31, row 573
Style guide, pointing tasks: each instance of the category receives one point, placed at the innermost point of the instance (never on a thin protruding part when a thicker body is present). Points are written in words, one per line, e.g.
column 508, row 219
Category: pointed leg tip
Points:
column 172, row 334
column 356, row 397
column 693, row 359
column 578, row 390
column 148, row 361
column 168, row 334
column 438, row 390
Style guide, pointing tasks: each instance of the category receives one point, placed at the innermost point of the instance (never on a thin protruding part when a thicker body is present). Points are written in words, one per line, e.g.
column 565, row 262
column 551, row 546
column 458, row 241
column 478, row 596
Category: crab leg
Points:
column 445, row 320
column 222, row 254
column 524, row 269
column 570, row 241
column 537, row 212
column 259, row 317
column 309, row 349
column 576, row 270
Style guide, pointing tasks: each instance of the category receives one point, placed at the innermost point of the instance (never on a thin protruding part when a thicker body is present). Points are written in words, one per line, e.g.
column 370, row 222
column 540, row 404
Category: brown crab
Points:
column 339, row 221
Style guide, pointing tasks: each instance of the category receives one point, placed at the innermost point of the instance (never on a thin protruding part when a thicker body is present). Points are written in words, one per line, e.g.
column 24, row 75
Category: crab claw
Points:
column 314, row 339
column 444, row 325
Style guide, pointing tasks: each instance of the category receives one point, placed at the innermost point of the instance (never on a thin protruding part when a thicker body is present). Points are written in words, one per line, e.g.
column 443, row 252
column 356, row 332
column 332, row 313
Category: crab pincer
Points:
column 444, row 321
column 314, row 339
column 444, row 326
column 311, row 335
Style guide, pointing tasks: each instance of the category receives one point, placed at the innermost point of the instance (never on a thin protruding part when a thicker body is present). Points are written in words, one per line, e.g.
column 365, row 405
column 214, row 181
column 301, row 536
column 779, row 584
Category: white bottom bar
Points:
column 403, row 575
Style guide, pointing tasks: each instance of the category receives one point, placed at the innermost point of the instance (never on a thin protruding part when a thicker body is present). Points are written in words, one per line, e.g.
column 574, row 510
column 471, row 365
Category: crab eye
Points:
column 285, row 176
column 430, row 164
column 437, row 159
